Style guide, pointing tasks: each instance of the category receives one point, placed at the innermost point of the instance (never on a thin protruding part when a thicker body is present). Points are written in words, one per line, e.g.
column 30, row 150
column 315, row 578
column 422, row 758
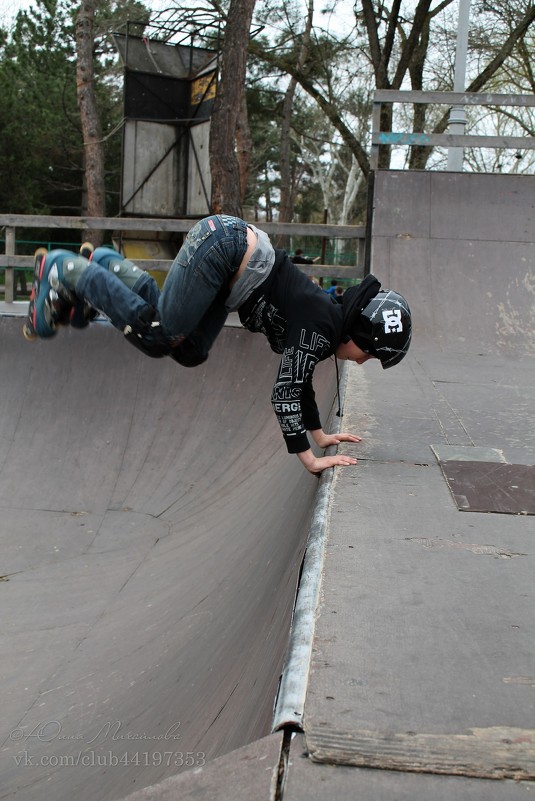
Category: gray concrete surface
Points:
column 250, row 772
column 426, row 622
column 425, row 632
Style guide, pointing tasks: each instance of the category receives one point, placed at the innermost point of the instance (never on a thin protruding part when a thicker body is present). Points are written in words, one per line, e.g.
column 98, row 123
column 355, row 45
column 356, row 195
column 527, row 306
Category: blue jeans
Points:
column 191, row 304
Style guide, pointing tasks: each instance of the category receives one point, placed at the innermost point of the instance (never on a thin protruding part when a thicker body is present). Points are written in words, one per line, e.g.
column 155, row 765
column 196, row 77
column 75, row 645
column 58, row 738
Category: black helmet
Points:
column 381, row 325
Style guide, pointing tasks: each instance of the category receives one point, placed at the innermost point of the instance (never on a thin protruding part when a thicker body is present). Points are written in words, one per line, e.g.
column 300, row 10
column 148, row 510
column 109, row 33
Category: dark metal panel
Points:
column 160, row 58
column 156, row 97
column 491, row 486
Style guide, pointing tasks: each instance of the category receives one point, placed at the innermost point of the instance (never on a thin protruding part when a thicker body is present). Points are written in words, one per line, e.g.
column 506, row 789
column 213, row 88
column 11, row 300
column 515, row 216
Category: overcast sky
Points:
column 9, row 8
column 344, row 13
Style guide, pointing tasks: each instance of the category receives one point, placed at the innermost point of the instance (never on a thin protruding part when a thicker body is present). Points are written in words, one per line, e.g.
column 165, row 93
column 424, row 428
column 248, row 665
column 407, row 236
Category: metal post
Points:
column 457, row 121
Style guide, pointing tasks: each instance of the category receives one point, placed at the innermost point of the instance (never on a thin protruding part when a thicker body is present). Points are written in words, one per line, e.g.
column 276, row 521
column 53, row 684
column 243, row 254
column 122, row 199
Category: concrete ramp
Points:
column 152, row 529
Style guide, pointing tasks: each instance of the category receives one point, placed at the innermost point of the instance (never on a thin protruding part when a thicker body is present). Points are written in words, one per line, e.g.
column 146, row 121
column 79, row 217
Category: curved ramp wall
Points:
column 152, row 529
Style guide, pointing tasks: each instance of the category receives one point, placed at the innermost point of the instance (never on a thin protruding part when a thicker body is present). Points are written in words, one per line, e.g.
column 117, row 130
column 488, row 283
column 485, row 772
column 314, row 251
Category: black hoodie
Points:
column 304, row 324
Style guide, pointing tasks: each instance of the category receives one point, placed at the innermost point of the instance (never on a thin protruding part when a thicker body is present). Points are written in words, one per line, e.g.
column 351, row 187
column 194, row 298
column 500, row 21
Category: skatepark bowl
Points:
column 153, row 529
column 153, row 526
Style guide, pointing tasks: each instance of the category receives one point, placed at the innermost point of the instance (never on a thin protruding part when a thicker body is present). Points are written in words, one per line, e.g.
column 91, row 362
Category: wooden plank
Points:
column 328, row 230
column 173, row 225
column 499, row 752
column 331, row 271
column 309, row 781
column 25, row 262
column 163, row 265
column 95, row 223
column 449, row 98
column 318, row 270
column 376, row 126
column 452, row 140
column 9, row 278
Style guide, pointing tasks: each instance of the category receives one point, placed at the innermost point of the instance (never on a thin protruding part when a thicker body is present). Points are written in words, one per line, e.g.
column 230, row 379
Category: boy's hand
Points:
column 324, row 440
column 316, row 464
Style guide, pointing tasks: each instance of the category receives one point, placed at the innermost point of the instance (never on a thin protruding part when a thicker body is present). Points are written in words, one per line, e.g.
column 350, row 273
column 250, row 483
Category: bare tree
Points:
column 516, row 37
column 244, row 145
column 387, row 46
column 287, row 193
column 223, row 160
column 94, row 195
column 396, row 48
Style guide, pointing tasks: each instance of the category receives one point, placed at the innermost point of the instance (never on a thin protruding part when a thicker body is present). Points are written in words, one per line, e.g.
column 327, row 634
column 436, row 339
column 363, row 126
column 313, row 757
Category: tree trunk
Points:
column 94, row 203
column 287, row 195
column 423, row 154
column 244, row 143
column 287, row 191
column 223, row 161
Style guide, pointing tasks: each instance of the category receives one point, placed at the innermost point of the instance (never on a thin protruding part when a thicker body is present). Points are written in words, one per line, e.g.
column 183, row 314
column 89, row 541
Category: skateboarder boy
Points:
column 228, row 265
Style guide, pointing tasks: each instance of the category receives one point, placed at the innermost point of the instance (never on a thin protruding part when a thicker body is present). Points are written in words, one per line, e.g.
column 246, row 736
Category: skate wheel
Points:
column 28, row 333
column 38, row 256
column 86, row 249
